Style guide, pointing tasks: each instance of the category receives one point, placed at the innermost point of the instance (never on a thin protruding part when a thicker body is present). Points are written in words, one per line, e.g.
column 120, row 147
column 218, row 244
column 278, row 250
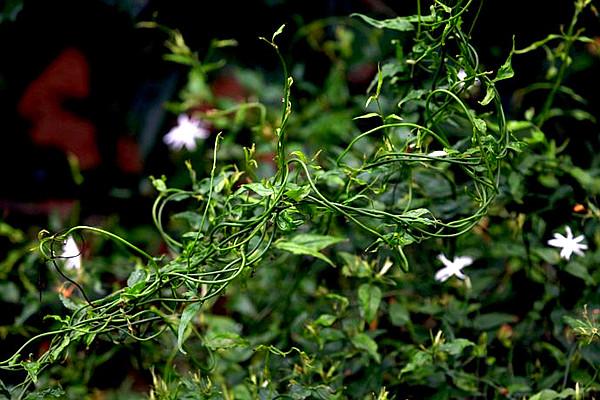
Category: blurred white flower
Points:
column 452, row 267
column 462, row 75
column 386, row 267
column 71, row 254
column 568, row 244
column 185, row 134
column 438, row 153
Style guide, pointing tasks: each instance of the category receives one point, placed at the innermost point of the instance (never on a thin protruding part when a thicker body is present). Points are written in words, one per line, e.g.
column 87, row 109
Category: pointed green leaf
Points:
column 188, row 314
column 325, row 320
column 260, row 189
column 506, row 70
column 397, row 24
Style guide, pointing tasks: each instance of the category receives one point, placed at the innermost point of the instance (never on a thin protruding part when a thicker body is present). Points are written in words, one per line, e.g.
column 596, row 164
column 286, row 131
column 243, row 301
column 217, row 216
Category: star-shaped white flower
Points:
column 452, row 267
column 71, row 254
column 569, row 244
column 185, row 134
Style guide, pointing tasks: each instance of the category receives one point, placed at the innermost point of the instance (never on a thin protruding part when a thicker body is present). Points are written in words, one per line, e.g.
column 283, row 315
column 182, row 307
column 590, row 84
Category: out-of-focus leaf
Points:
column 363, row 342
column 369, row 297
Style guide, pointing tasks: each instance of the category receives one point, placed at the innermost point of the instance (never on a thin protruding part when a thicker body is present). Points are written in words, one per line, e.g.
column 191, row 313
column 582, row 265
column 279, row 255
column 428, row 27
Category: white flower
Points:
column 462, row 75
column 185, row 134
column 71, row 254
column 568, row 244
column 386, row 267
column 438, row 153
column 452, row 267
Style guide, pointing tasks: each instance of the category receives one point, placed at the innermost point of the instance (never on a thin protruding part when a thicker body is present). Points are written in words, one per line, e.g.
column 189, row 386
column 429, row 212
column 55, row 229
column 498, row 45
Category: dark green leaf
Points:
column 363, row 342
column 580, row 271
column 308, row 244
column 456, row 346
column 492, row 320
column 369, row 297
column 399, row 314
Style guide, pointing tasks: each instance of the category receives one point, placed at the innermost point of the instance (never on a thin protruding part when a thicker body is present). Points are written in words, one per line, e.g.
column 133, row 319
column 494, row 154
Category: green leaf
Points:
column 585, row 179
column 456, row 346
column 399, row 315
column 193, row 219
column 9, row 292
column 490, row 93
column 551, row 256
column 418, row 360
column 159, row 184
column 47, row 394
column 480, row 125
column 137, row 276
column 549, row 394
column 4, row 392
column 224, row 340
column 325, row 320
column 411, row 96
column 57, row 351
column 309, row 244
column 296, row 192
column 574, row 323
column 580, row 271
column 363, row 342
column 401, row 24
column 13, row 234
column 354, row 265
column 365, row 116
column 278, row 32
column 260, row 189
column 369, row 297
column 492, row 320
column 188, row 314
column 32, row 368
column 506, row 70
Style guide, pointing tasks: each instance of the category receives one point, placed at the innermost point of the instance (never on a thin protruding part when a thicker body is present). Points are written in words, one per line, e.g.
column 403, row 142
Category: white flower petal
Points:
column 71, row 254
column 444, row 260
column 569, row 233
column 442, row 275
column 438, row 153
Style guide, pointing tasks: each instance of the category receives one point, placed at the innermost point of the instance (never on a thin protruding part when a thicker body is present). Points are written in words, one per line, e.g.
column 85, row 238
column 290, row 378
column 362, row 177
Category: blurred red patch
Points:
column 67, row 77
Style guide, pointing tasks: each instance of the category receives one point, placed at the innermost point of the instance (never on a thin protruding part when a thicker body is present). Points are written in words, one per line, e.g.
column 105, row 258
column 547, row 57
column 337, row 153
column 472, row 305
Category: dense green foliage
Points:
column 302, row 266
